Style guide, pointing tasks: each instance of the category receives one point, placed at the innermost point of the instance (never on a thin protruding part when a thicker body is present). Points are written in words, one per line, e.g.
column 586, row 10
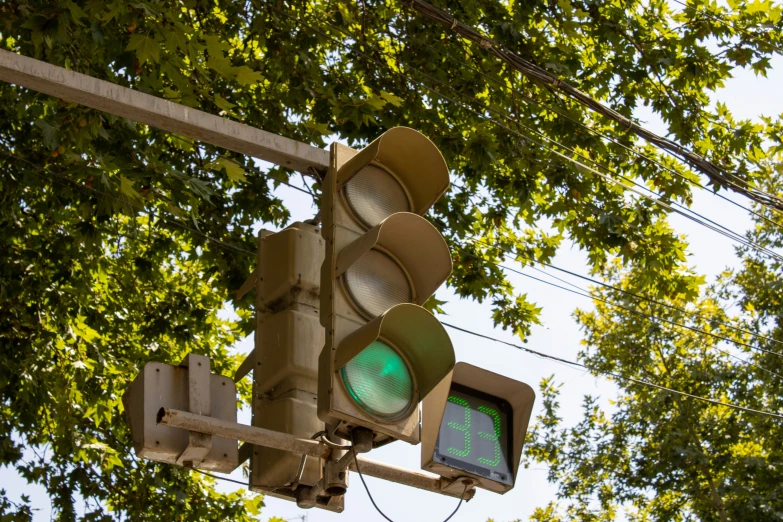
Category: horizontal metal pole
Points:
column 415, row 479
column 233, row 430
column 284, row 441
column 159, row 113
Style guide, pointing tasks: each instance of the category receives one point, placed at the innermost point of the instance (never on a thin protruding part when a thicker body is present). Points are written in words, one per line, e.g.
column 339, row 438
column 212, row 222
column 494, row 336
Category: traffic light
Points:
column 383, row 351
column 190, row 386
column 285, row 362
column 474, row 425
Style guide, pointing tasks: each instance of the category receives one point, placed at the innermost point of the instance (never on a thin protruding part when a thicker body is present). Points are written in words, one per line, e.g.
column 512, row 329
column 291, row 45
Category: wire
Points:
column 683, row 211
column 361, row 477
column 615, row 375
column 530, row 100
column 650, row 317
column 719, row 175
column 461, row 498
column 220, row 478
column 738, row 237
column 626, row 292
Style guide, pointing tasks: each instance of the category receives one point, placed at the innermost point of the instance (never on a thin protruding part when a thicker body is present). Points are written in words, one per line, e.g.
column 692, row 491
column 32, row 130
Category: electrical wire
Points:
column 694, row 314
column 361, row 477
column 572, row 363
column 530, row 100
column 650, row 317
column 540, row 354
column 226, row 479
column 716, row 173
column 640, row 382
column 683, row 211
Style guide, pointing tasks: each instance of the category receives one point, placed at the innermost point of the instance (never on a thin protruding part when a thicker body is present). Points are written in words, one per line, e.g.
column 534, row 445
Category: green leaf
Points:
column 146, row 48
column 247, row 76
column 126, row 187
column 223, row 103
column 233, row 170
column 51, row 139
column 222, row 66
column 76, row 12
column 394, row 100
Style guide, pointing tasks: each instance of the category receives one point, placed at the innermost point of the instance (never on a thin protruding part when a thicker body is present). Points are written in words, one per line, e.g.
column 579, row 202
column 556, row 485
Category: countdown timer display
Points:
column 475, row 436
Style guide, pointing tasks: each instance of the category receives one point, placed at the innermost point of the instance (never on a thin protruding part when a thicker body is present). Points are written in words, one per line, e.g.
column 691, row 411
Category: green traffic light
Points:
column 379, row 381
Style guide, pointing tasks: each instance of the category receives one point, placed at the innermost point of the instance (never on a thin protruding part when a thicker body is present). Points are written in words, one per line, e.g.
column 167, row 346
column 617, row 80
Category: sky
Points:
column 747, row 96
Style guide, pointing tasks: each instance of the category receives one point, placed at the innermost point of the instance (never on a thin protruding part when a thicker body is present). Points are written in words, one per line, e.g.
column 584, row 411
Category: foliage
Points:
column 660, row 456
column 103, row 221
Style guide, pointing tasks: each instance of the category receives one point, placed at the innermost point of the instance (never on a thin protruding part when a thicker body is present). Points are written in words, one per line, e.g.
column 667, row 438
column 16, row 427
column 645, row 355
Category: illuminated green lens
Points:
column 379, row 381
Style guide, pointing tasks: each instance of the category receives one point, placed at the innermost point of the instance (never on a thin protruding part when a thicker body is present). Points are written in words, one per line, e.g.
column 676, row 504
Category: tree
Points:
column 661, row 456
column 105, row 223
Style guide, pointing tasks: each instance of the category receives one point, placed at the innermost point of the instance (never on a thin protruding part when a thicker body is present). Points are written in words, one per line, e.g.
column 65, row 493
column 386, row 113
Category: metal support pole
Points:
column 232, row 430
column 286, row 442
column 415, row 479
column 159, row 113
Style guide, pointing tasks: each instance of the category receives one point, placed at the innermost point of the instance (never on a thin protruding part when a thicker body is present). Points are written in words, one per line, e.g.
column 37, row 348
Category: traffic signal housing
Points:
column 383, row 352
column 474, row 425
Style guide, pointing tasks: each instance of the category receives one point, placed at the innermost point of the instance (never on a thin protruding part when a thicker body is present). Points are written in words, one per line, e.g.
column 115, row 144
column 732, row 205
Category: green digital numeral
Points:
column 491, row 436
column 464, row 428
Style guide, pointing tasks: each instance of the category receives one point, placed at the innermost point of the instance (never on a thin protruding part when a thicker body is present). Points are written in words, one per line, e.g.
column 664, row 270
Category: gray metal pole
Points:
column 159, row 113
column 286, row 442
column 252, row 434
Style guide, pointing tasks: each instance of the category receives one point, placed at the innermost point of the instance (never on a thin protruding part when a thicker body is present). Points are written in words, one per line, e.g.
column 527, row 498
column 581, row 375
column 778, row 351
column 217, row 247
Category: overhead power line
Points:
column 640, row 382
column 651, row 317
column 673, row 207
column 717, row 174
column 626, row 292
column 531, row 100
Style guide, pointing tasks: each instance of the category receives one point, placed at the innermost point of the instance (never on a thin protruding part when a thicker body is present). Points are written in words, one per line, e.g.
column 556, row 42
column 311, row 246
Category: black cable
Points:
column 615, row 375
column 683, row 211
column 537, row 73
column 530, row 100
column 361, row 477
column 461, row 498
column 220, row 478
column 650, row 317
column 632, row 294
column 356, row 463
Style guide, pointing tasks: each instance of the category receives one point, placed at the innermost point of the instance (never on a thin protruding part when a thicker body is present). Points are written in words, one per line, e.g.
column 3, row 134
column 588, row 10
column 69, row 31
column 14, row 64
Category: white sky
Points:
column 747, row 96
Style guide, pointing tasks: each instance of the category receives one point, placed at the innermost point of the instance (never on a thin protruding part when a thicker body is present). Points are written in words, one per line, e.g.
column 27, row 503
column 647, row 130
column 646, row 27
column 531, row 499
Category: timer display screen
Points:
column 475, row 435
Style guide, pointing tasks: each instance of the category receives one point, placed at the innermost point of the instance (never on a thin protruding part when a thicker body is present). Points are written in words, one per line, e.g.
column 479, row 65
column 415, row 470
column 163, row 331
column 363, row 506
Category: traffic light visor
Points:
column 403, row 259
column 413, row 160
column 376, row 360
